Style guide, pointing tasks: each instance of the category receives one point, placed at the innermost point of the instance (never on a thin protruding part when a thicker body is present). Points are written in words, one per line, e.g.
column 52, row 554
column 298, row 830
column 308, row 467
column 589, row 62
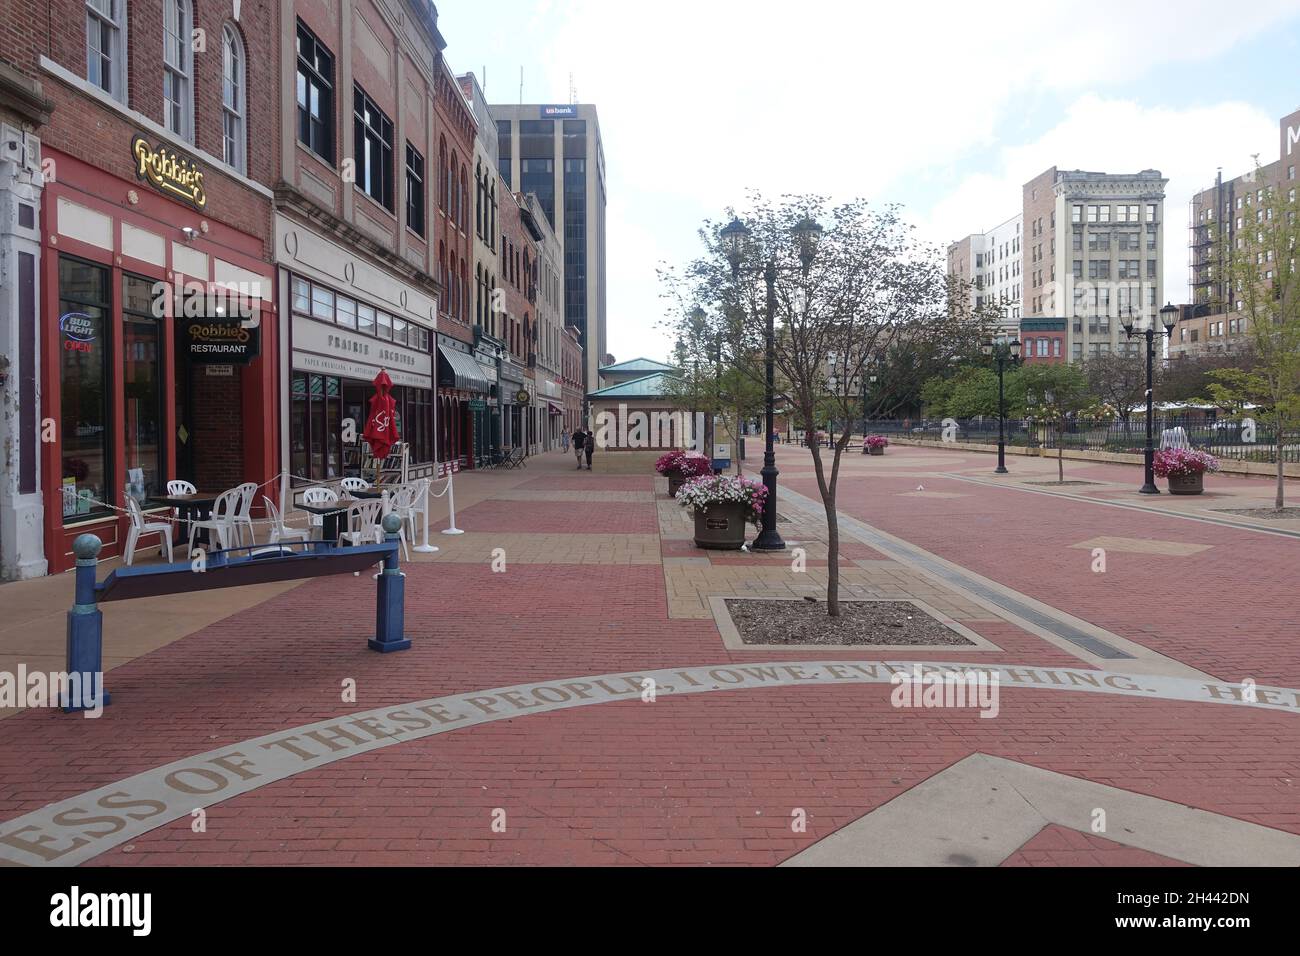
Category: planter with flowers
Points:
column 680, row 466
column 875, row 445
column 1185, row 469
column 723, row 507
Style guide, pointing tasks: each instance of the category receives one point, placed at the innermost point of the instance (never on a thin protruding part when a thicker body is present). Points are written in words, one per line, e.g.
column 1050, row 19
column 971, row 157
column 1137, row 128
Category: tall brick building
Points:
column 1211, row 322
column 157, row 165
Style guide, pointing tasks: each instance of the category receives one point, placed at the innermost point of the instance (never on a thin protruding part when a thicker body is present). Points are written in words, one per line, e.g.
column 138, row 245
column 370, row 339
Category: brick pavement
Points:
column 711, row 778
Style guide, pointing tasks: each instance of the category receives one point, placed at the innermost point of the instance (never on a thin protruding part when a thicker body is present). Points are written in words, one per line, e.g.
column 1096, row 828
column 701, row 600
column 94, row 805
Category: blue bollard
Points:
column 390, row 599
column 85, row 633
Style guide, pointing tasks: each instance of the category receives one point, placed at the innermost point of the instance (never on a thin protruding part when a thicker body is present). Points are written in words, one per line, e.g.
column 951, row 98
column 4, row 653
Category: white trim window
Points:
column 178, row 68
column 106, row 46
column 233, row 100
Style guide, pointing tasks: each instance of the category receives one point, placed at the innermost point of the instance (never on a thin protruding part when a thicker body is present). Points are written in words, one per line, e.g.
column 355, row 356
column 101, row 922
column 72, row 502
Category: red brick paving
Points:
column 1221, row 611
column 561, row 517
column 711, row 778
column 1055, row 845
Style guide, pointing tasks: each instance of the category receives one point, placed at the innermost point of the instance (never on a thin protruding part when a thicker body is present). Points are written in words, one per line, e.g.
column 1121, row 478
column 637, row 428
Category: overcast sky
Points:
column 945, row 107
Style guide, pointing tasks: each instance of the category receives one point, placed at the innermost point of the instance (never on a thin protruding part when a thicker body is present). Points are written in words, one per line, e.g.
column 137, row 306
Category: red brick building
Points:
column 515, row 325
column 157, row 164
column 1042, row 341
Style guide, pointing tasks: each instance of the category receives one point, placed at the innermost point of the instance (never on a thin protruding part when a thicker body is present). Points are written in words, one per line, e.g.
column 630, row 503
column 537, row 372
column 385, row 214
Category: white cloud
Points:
column 699, row 100
column 1117, row 136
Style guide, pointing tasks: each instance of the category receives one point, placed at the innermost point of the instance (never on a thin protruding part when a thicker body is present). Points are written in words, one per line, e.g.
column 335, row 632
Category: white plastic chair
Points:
column 363, row 519
column 355, row 484
column 320, row 495
column 281, row 531
column 402, row 503
column 221, row 521
column 244, row 512
column 139, row 528
column 178, row 486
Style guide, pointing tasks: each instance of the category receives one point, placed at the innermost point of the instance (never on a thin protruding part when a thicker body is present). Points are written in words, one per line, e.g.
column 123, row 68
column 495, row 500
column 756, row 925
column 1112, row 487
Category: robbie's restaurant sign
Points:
column 169, row 172
column 220, row 341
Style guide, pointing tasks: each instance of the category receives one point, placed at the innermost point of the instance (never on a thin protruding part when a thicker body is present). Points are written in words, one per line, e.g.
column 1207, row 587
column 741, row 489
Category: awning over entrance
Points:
column 458, row 369
column 555, row 409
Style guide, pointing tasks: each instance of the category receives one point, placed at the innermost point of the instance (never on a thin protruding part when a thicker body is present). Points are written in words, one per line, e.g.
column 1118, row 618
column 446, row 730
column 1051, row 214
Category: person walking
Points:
column 579, row 439
column 589, row 447
column 564, row 438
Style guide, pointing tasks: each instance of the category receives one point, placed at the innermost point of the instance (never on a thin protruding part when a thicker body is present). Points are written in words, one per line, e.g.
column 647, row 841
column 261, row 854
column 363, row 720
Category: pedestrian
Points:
column 579, row 439
column 589, row 447
column 564, row 438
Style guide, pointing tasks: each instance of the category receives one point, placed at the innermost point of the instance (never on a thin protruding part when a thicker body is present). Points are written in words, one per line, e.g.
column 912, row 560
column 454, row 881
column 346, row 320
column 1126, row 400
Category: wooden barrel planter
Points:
column 879, row 450
column 1187, row 484
column 722, row 527
column 675, row 482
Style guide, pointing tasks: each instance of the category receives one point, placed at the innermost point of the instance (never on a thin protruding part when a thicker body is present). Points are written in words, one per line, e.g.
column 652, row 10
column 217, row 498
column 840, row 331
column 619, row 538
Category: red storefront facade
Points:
column 158, row 155
column 125, row 407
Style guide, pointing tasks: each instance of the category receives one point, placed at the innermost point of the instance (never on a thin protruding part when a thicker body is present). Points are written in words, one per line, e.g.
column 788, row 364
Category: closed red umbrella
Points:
column 381, row 427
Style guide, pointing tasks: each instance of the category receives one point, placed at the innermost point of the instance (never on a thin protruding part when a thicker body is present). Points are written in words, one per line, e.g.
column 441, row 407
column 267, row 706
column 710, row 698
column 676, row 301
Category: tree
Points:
column 849, row 282
column 1265, row 285
column 1053, row 395
column 1119, row 379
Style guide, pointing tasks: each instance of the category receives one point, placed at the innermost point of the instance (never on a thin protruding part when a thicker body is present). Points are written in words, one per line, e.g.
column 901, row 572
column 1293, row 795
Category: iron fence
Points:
column 1254, row 441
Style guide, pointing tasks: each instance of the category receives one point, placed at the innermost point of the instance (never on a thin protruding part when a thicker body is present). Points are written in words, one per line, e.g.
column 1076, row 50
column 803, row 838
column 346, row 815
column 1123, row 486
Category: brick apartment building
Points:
column 1210, row 322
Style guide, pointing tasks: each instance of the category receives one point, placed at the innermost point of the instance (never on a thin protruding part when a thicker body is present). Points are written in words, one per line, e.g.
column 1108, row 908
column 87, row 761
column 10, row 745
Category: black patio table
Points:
column 331, row 516
column 195, row 507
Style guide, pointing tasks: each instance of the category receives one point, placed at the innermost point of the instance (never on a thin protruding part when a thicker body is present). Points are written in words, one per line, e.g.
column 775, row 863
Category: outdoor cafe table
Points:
column 331, row 517
column 195, row 507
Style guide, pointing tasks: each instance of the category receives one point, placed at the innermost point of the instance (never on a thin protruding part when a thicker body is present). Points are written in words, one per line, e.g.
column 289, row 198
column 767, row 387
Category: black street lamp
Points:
column 735, row 237
column 1005, row 352
column 1146, row 327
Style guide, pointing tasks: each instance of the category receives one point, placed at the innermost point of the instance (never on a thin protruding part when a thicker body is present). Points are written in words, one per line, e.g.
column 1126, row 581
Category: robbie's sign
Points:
column 220, row 341
column 169, row 172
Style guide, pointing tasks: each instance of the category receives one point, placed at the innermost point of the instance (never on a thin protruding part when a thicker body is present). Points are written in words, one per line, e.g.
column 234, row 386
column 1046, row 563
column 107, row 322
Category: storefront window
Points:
column 142, row 376
column 83, row 359
column 298, row 427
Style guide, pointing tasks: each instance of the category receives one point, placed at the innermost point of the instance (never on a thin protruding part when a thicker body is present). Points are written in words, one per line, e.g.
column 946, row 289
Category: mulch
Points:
column 861, row 622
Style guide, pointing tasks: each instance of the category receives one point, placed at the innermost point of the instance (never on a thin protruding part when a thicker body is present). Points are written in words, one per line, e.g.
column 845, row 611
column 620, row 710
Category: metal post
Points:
column 1002, row 418
column 85, row 644
column 1149, row 487
column 768, row 539
column 390, row 597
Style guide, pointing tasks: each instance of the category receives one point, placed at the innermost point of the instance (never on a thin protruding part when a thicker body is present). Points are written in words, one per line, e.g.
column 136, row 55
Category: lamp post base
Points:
column 768, row 541
column 1001, row 470
column 1148, row 489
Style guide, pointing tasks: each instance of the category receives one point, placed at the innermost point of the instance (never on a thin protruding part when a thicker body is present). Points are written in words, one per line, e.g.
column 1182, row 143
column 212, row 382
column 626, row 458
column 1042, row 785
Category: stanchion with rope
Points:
column 426, row 504
column 451, row 528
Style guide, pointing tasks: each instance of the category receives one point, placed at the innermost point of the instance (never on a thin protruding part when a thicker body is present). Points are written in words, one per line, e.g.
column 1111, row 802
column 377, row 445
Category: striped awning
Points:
column 461, row 371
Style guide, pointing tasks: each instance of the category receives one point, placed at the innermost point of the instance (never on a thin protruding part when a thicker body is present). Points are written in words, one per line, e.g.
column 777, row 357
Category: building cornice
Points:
column 289, row 199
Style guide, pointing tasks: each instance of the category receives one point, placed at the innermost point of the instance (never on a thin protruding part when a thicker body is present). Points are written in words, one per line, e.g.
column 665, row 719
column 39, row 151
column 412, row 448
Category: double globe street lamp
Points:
column 1005, row 351
column 735, row 244
column 1144, row 326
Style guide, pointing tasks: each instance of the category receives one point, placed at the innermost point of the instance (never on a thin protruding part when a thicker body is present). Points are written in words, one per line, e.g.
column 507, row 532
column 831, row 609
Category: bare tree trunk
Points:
column 1279, row 500
column 827, row 490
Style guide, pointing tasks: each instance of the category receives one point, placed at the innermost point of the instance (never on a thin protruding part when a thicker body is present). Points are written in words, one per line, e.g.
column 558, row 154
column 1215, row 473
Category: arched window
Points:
column 463, row 203
column 442, row 174
column 106, row 46
column 234, row 135
column 178, row 68
column 464, row 279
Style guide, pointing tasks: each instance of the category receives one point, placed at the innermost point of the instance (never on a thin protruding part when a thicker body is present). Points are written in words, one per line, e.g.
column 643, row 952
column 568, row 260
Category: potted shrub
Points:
column 874, row 445
column 678, row 466
column 1185, row 469
column 723, row 506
